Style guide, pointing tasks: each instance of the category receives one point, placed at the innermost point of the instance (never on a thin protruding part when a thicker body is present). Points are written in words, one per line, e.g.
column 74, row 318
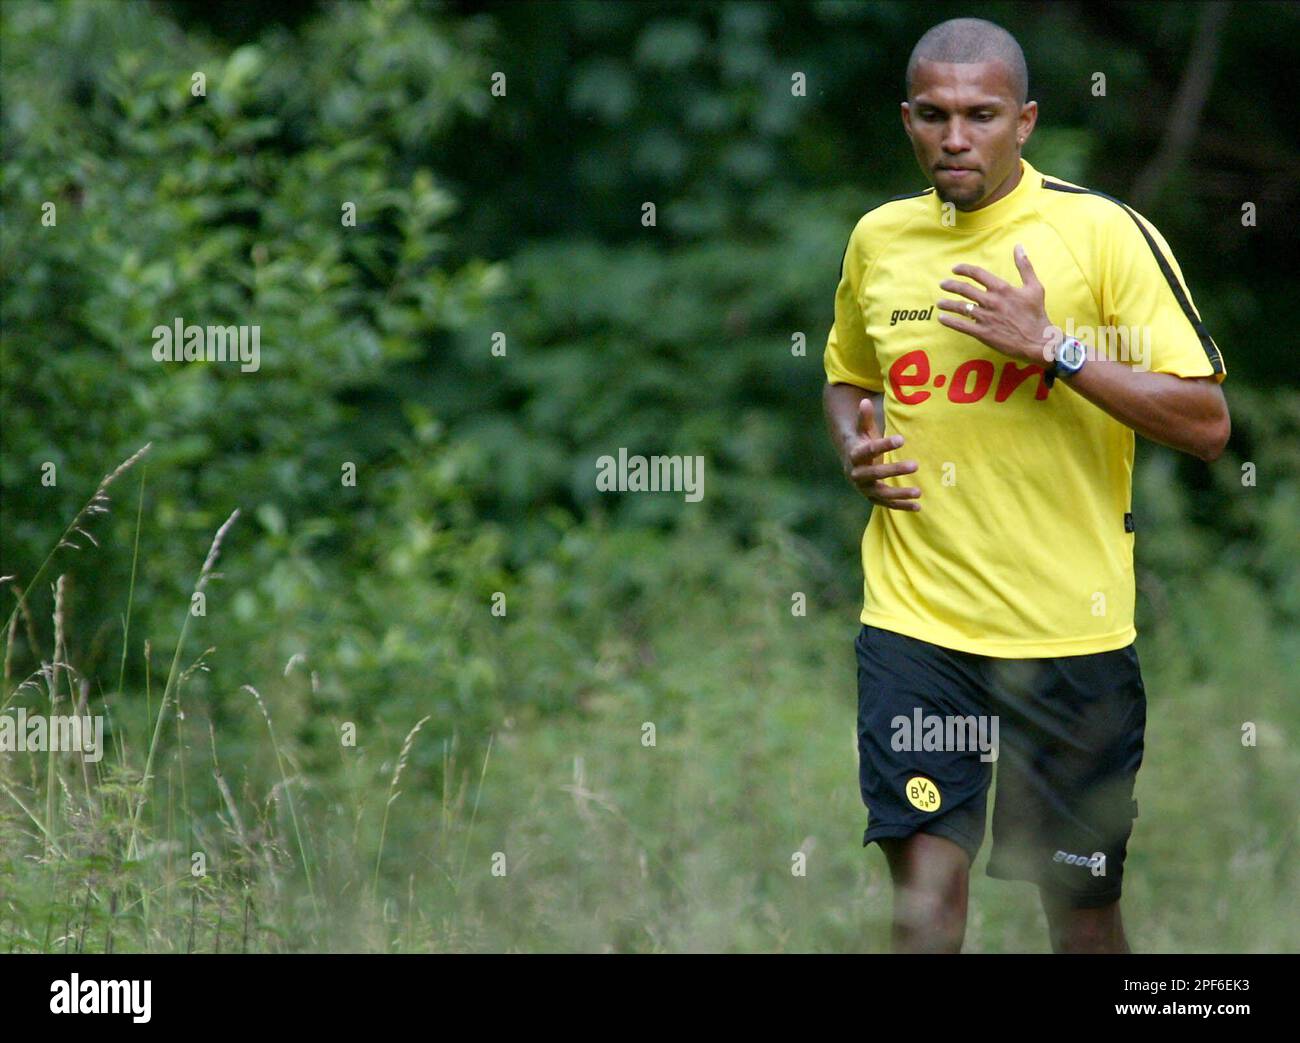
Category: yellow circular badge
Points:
column 923, row 794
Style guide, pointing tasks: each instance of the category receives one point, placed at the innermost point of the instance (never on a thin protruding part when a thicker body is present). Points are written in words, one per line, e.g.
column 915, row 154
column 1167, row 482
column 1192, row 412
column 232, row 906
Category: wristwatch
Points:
column 1070, row 357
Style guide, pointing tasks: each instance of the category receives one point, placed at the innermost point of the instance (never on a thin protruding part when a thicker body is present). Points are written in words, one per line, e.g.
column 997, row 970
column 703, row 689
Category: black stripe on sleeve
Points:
column 1207, row 342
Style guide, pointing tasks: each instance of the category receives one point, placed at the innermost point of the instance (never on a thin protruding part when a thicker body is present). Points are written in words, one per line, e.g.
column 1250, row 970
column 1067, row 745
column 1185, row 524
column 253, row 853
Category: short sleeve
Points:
column 1144, row 295
column 850, row 356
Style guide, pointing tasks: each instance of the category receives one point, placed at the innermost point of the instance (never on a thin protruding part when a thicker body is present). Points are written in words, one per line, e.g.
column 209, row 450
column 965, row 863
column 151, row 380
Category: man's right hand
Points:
column 863, row 470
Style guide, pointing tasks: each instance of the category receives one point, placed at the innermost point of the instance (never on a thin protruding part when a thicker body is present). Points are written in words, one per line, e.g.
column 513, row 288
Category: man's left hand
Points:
column 1009, row 319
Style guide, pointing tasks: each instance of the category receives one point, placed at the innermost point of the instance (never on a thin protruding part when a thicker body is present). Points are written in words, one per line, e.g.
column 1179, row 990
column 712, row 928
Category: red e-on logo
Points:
column 913, row 370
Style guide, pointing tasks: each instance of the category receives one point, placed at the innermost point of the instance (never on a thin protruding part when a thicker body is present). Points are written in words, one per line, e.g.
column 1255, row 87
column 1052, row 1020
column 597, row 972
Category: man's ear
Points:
column 907, row 118
column 1028, row 120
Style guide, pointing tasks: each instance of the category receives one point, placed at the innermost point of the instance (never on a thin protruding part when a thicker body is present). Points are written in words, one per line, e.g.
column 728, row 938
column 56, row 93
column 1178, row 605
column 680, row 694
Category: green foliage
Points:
column 226, row 209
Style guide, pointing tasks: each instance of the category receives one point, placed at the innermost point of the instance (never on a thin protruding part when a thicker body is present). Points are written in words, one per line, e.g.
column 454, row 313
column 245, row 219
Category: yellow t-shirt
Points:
column 1022, row 547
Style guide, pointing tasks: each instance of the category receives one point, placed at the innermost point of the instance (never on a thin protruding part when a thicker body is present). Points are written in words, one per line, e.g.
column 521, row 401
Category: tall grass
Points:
column 132, row 858
column 580, row 828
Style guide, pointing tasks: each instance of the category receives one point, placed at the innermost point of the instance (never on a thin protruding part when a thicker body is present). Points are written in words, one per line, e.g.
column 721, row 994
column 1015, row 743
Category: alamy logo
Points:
column 92, row 996
column 1096, row 861
column 37, row 733
column 948, row 733
column 639, row 474
column 181, row 343
column 1128, row 344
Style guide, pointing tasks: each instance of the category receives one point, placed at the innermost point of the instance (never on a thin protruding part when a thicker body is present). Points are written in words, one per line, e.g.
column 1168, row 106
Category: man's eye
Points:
column 984, row 115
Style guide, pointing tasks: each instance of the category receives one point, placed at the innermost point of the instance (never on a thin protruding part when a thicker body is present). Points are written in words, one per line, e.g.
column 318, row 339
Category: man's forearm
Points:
column 1189, row 415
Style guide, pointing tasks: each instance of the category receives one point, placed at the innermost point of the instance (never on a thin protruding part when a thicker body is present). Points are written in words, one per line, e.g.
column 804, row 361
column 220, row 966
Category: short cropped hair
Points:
column 966, row 41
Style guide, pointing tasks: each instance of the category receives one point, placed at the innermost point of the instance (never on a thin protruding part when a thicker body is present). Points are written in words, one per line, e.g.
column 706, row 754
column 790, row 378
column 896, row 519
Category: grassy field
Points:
column 696, row 737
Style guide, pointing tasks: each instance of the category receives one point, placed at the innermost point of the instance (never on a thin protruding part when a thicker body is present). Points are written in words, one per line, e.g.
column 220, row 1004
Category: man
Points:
column 1013, row 330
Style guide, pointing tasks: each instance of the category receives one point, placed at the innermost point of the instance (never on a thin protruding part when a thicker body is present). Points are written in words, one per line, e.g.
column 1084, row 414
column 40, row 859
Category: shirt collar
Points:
column 1018, row 201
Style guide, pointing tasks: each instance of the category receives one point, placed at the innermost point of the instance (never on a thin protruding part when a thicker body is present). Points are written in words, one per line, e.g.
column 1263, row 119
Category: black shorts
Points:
column 1066, row 734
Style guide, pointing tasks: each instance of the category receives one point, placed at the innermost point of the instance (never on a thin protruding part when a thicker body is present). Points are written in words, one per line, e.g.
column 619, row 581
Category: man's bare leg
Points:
column 1084, row 930
column 931, row 877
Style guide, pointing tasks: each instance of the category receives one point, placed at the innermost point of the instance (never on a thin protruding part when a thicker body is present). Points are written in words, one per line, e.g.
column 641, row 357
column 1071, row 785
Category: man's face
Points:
column 967, row 127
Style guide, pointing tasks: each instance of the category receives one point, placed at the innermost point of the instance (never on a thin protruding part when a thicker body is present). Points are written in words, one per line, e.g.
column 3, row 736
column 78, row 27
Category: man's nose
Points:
column 955, row 138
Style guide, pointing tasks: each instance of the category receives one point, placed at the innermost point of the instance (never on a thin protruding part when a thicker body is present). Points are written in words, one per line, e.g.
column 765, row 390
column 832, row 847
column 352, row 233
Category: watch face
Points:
column 1071, row 354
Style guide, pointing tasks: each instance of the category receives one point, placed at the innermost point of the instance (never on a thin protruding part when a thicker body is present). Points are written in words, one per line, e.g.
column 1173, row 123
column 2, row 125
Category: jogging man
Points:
column 1010, row 331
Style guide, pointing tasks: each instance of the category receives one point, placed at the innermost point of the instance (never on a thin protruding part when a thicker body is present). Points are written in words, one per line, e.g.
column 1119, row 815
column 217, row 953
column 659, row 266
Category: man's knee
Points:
column 936, row 911
column 1099, row 930
column 931, row 877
